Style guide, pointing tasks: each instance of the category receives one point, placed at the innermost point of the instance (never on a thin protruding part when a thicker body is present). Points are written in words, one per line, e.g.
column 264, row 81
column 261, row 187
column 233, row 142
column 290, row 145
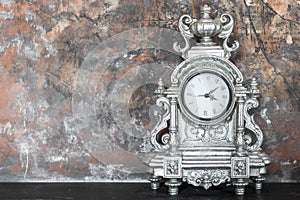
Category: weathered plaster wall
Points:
column 77, row 80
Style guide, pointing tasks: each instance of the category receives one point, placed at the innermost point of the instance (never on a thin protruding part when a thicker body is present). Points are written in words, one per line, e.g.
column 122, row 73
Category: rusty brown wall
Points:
column 77, row 80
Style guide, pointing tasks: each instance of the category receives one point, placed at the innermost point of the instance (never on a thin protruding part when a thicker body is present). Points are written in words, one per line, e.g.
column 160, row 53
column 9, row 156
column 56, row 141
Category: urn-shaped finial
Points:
column 206, row 28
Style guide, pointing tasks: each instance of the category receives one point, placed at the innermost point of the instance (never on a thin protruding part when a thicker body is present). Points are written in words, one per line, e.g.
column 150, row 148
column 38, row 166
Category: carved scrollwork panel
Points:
column 226, row 31
column 207, row 178
column 183, row 24
column 164, row 103
column 252, row 126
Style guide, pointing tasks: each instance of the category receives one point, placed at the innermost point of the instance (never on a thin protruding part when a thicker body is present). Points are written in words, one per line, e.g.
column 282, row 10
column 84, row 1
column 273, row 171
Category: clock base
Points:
column 208, row 167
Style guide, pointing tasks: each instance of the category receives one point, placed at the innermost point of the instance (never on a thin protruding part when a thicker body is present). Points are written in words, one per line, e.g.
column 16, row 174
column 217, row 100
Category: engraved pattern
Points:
column 208, row 62
column 213, row 134
column 239, row 167
column 207, row 178
column 172, row 167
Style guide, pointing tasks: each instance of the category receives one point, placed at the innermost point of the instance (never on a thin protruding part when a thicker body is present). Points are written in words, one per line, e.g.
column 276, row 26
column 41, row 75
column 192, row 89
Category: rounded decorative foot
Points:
column 155, row 182
column 239, row 190
column 240, row 187
column 173, row 185
column 258, row 185
column 258, row 182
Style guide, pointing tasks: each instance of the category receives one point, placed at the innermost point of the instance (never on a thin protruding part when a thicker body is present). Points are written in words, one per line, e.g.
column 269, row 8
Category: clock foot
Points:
column 155, row 182
column 258, row 180
column 173, row 184
column 240, row 186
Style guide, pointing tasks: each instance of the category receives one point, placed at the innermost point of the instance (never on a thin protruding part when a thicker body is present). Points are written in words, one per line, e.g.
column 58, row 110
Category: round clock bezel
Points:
column 198, row 120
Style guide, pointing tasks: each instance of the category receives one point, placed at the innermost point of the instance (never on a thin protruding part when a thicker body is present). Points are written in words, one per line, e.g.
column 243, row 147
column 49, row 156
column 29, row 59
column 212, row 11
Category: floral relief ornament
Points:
column 207, row 178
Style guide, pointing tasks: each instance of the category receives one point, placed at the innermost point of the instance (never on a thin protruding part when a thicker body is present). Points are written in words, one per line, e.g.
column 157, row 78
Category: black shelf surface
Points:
column 133, row 191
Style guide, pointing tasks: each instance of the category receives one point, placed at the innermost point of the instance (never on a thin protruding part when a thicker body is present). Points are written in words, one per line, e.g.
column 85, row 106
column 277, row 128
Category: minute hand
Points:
column 212, row 91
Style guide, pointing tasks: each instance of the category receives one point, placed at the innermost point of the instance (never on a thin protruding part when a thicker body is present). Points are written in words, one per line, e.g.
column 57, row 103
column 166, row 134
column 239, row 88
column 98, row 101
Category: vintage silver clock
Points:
column 205, row 135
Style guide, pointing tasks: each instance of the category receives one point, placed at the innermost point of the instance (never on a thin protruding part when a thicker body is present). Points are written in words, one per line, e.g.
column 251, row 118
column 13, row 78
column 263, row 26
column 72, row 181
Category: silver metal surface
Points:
column 207, row 152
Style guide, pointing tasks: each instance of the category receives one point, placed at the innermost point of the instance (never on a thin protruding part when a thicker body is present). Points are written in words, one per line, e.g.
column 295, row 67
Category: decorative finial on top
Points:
column 161, row 88
column 204, row 30
column 206, row 9
column 254, row 92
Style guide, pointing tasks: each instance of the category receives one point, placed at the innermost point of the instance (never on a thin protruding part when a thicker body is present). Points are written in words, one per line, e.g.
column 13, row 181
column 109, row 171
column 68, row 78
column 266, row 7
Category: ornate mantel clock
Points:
column 206, row 136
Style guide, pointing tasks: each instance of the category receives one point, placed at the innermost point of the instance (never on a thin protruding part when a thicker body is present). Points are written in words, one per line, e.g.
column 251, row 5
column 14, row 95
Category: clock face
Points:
column 206, row 96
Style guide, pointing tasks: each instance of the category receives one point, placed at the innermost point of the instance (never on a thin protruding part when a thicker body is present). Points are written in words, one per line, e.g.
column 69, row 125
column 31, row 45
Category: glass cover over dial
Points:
column 207, row 96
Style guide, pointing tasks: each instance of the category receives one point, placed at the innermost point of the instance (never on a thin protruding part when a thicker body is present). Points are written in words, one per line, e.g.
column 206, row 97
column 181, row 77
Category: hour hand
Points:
column 212, row 98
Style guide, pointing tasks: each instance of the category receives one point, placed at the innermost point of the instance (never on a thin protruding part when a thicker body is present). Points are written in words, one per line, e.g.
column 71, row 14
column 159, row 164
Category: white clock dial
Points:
column 207, row 96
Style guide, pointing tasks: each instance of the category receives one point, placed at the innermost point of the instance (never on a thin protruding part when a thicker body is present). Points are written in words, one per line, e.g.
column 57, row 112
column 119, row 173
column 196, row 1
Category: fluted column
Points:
column 241, row 93
column 173, row 125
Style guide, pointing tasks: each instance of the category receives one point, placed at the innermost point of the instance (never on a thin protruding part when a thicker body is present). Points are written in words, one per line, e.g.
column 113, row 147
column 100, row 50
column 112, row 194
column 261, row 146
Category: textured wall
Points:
column 77, row 80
